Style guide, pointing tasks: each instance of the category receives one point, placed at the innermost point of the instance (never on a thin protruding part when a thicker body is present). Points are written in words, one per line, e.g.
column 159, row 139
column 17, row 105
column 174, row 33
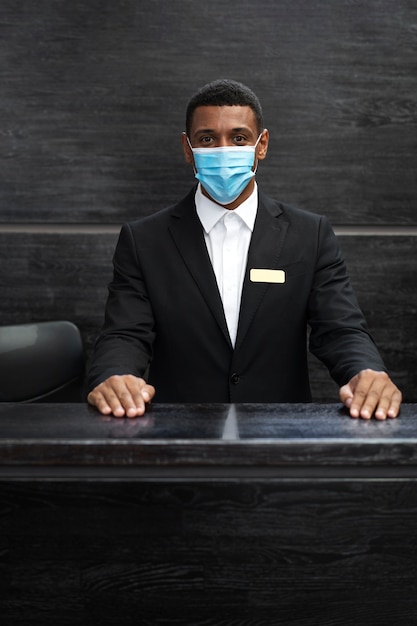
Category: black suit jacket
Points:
column 164, row 312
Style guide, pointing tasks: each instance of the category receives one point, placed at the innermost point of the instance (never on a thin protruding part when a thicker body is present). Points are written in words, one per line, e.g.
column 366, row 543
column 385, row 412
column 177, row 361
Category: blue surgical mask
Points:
column 224, row 172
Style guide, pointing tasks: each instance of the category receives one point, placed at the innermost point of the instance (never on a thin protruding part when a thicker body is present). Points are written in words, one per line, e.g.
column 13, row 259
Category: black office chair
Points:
column 41, row 362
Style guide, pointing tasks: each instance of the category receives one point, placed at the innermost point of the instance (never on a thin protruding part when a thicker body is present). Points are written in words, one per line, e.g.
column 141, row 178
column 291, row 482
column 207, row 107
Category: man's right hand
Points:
column 122, row 396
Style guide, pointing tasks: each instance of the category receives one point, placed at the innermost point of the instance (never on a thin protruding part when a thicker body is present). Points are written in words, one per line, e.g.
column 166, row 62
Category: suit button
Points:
column 235, row 378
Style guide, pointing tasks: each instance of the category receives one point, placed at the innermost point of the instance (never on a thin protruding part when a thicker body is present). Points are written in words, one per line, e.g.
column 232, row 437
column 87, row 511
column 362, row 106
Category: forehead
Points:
column 222, row 118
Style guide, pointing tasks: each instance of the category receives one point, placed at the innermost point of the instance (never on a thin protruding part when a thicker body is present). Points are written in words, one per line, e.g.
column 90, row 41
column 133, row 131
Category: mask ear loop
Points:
column 257, row 160
column 257, row 141
column 191, row 148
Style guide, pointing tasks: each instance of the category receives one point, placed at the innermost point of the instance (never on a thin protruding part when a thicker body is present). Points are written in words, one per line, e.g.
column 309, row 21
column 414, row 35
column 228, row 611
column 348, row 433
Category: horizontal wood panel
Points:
column 208, row 554
column 52, row 276
column 93, row 98
column 65, row 276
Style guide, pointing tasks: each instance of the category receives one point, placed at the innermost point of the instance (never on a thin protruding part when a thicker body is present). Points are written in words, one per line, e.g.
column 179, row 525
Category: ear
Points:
column 262, row 147
column 188, row 153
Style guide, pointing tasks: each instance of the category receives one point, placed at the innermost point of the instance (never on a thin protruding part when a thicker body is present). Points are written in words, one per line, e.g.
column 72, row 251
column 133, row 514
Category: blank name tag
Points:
column 267, row 276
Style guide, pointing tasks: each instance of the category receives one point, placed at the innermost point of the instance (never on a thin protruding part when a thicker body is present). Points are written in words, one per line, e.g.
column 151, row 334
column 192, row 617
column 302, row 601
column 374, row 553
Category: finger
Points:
column 112, row 396
column 148, row 393
column 384, row 402
column 140, row 393
column 358, row 408
column 365, row 404
column 140, row 389
column 346, row 395
column 388, row 397
column 381, row 409
column 389, row 405
column 106, row 402
column 95, row 398
column 128, row 396
column 376, row 395
column 395, row 406
column 117, row 398
column 368, row 393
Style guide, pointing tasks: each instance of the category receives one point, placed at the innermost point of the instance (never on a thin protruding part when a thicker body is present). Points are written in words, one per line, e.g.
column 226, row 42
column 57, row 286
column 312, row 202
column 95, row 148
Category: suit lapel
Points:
column 187, row 232
column 264, row 252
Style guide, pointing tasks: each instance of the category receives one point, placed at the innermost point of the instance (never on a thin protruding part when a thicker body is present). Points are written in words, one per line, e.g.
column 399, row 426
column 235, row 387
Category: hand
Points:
column 371, row 393
column 122, row 396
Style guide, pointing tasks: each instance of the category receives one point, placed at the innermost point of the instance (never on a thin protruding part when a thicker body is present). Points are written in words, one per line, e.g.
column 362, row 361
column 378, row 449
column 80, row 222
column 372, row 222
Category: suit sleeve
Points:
column 339, row 335
column 125, row 343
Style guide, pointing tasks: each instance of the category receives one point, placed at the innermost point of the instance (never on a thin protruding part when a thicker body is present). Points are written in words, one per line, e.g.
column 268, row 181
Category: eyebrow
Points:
column 233, row 130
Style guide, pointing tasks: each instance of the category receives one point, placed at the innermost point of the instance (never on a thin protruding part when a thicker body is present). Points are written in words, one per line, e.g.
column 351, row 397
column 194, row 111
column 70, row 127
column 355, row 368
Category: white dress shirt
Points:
column 227, row 234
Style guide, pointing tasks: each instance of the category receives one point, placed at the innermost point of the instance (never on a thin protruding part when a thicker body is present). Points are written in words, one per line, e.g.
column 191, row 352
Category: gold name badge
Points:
column 267, row 276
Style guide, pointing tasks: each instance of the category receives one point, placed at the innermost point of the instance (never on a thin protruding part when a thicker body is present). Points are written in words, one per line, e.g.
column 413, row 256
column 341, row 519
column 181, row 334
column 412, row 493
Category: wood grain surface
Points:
column 209, row 554
column 93, row 98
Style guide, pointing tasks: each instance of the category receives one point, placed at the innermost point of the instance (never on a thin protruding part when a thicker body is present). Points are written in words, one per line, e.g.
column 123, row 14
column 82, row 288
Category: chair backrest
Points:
column 41, row 362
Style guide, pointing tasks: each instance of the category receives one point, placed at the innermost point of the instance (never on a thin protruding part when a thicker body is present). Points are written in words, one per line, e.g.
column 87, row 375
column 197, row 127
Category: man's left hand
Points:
column 371, row 393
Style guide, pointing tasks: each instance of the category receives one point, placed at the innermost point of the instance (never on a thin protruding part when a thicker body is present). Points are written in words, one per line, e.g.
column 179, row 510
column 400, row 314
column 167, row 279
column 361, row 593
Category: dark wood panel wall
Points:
column 92, row 106
column 334, row 552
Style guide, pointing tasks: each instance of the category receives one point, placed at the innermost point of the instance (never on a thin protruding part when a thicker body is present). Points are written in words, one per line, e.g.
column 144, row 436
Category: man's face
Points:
column 219, row 126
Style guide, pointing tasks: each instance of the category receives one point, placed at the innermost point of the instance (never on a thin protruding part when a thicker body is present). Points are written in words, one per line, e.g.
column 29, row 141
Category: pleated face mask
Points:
column 224, row 172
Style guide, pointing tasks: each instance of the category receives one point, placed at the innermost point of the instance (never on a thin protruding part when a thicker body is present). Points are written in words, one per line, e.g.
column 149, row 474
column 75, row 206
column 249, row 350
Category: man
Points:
column 211, row 298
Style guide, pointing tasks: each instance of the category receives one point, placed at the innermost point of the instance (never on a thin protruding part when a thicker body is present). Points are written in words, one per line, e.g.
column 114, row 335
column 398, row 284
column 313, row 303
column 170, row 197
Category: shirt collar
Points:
column 209, row 212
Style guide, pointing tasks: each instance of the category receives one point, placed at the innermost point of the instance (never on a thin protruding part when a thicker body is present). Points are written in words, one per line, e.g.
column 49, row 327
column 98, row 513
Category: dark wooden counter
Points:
column 209, row 441
column 207, row 515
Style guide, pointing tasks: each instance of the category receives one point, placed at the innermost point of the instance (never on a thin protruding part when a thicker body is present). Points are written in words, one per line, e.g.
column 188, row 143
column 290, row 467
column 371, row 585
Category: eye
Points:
column 206, row 139
column 239, row 139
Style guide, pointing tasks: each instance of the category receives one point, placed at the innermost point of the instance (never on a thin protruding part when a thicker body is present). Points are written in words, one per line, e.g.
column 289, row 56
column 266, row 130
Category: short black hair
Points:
column 224, row 92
